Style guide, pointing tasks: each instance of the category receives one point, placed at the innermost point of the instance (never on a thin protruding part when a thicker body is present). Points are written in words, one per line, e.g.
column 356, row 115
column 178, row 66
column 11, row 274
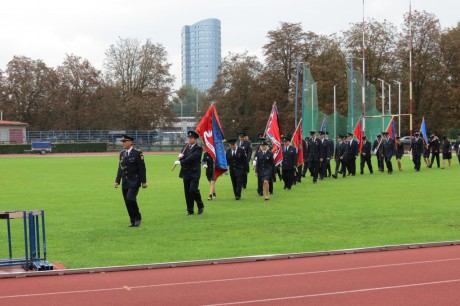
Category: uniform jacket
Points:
column 330, row 142
column 446, row 146
column 366, row 149
column 289, row 158
column 265, row 165
column 238, row 164
column 131, row 169
column 306, row 147
column 399, row 149
column 416, row 146
column 457, row 146
column 190, row 162
column 434, row 145
column 352, row 150
column 388, row 147
column 314, row 149
column 324, row 151
column 247, row 146
column 341, row 151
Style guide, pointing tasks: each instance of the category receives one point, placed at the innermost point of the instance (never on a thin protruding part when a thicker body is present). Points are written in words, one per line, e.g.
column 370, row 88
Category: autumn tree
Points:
column 141, row 74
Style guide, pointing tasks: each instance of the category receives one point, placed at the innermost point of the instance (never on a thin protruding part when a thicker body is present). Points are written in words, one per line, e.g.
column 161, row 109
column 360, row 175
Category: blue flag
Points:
column 423, row 131
column 221, row 159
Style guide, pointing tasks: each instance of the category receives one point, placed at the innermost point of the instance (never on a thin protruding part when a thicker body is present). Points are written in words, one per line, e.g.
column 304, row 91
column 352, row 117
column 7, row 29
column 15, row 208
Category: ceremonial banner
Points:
column 358, row 131
column 297, row 141
column 323, row 125
column 423, row 131
column 210, row 131
column 273, row 132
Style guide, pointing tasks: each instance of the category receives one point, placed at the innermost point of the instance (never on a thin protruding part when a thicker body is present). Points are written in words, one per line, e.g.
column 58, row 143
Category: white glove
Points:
column 254, row 163
column 177, row 162
column 180, row 155
column 205, row 166
column 375, row 152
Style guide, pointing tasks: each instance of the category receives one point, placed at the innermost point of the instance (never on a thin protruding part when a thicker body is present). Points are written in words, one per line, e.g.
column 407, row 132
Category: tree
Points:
column 141, row 74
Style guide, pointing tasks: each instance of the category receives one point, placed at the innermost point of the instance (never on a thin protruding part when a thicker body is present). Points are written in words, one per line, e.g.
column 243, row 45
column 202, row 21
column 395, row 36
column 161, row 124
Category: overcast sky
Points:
column 49, row 29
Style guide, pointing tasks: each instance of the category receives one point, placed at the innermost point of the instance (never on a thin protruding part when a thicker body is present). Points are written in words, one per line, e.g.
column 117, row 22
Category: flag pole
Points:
column 410, row 68
column 266, row 126
column 364, row 79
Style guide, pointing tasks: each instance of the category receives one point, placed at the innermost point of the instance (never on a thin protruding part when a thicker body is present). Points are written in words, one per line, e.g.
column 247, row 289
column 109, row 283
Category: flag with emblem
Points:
column 273, row 132
column 358, row 131
column 210, row 131
column 297, row 141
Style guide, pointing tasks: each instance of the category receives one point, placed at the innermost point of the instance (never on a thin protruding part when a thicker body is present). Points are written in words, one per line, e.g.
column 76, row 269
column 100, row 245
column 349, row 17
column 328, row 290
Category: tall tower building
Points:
column 201, row 52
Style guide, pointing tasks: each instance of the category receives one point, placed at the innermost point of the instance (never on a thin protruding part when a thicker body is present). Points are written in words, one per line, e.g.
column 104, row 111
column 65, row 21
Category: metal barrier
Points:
column 34, row 243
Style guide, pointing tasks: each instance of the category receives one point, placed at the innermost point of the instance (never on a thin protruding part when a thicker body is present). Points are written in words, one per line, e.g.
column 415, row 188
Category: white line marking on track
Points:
column 229, row 279
column 336, row 293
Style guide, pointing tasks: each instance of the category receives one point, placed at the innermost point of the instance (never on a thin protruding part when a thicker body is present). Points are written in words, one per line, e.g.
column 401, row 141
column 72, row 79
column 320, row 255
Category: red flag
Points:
column 391, row 130
column 204, row 129
column 273, row 132
column 297, row 141
column 358, row 131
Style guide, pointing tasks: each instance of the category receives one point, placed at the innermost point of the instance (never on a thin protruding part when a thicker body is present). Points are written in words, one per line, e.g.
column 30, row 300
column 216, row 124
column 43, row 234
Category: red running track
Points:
column 429, row 276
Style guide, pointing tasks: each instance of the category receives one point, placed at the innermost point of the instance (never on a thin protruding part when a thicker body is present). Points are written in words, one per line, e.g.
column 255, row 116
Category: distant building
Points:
column 12, row 132
column 201, row 53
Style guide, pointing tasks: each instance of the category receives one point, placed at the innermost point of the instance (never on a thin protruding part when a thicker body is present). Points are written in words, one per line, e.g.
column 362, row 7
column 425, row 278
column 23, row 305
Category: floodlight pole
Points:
column 335, row 112
column 383, row 102
column 296, row 92
column 389, row 98
column 312, row 105
column 399, row 107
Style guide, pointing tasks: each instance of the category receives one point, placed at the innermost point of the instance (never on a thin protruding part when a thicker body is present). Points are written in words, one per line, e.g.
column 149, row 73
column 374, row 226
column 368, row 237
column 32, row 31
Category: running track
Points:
column 425, row 276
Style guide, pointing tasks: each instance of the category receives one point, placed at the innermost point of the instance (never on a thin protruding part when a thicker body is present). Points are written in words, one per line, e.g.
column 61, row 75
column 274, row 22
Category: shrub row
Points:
column 74, row 147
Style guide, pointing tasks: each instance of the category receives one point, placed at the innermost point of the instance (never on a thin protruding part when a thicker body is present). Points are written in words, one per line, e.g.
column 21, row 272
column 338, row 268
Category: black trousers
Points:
column 314, row 169
column 389, row 164
column 298, row 174
column 244, row 180
column 328, row 167
column 416, row 159
column 305, row 168
column 351, row 165
column 237, row 183
column 433, row 156
column 366, row 160
column 288, row 177
column 192, row 194
column 130, row 195
column 380, row 162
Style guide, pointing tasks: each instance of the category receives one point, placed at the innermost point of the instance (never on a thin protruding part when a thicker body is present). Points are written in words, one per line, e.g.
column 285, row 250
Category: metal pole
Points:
column 383, row 102
column 399, row 109
column 335, row 112
column 364, row 78
column 389, row 98
column 352, row 89
column 296, row 92
column 312, row 105
column 304, row 77
column 197, row 101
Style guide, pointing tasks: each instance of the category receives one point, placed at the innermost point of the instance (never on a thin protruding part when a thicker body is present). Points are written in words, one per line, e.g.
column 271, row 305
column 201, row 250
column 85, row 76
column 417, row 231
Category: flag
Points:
column 423, row 131
column 323, row 125
column 358, row 131
column 297, row 141
column 391, row 130
column 210, row 130
column 273, row 132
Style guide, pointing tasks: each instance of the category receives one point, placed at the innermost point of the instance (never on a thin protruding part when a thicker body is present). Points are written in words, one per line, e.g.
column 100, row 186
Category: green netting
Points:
column 313, row 117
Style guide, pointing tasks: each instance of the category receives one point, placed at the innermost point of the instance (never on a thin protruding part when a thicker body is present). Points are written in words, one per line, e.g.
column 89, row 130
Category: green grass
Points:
column 86, row 220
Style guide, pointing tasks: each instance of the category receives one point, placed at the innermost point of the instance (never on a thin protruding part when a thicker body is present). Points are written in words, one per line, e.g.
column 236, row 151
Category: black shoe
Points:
column 210, row 197
column 362, row 172
column 213, row 195
column 200, row 210
column 131, row 225
column 259, row 195
column 289, row 188
column 189, row 213
column 137, row 222
column 236, row 198
column 334, row 176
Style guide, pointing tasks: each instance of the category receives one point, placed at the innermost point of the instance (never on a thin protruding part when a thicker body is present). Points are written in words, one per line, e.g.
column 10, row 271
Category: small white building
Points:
column 12, row 132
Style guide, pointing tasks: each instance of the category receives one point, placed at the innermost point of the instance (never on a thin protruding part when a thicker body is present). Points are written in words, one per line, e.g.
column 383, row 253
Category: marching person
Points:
column 399, row 152
column 289, row 163
column 426, row 155
column 208, row 164
column 366, row 156
column 457, row 148
column 306, row 147
column 330, row 143
column 324, row 155
column 247, row 146
column 190, row 172
column 388, row 151
column 446, row 151
column 377, row 148
column 314, row 155
column 238, row 165
column 132, row 173
column 416, row 149
column 434, row 146
column 352, row 154
column 264, row 167
column 340, row 156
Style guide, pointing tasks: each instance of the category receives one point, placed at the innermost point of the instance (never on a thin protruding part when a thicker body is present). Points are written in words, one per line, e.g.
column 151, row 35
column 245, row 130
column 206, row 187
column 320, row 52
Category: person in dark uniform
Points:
column 247, row 147
column 399, row 152
column 457, row 148
column 352, row 154
column 208, row 165
column 238, row 165
column 314, row 155
column 446, row 151
column 434, row 146
column 340, row 156
column 260, row 182
column 265, row 167
column 324, row 155
column 306, row 152
column 377, row 148
column 190, row 172
column 366, row 156
column 330, row 143
column 416, row 149
column 132, row 173
column 388, row 151
column 289, row 163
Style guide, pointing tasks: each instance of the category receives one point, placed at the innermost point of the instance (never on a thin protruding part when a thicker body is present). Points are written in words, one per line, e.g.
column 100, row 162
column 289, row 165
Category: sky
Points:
column 50, row 29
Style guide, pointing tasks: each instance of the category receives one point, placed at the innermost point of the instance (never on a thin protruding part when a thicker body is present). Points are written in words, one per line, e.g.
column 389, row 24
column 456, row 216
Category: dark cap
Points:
column 444, row 137
column 232, row 141
column 397, row 137
column 127, row 138
column 384, row 133
column 241, row 134
column 286, row 138
column 379, row 136
column 364, row 137
column 193, row 134
column 417, row 134
column 260, row 136
column 321, row 132
column 339, row 136
column 264, row 143
column 350, row 134
column 327, row 133
column 312, row 132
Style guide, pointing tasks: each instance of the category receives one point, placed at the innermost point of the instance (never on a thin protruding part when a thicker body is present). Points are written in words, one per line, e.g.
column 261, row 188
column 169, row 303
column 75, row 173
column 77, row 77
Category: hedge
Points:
column 74, row 147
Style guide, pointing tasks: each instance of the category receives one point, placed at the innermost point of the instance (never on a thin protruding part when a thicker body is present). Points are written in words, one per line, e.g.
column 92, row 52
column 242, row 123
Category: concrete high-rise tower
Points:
column 201, row 53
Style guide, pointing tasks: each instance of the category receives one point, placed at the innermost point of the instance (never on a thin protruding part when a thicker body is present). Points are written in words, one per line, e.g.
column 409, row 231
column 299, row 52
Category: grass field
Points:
column 86, row 220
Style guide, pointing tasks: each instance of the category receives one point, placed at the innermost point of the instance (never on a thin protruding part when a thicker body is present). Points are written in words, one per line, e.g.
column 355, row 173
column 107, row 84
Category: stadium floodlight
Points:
column 399, row 106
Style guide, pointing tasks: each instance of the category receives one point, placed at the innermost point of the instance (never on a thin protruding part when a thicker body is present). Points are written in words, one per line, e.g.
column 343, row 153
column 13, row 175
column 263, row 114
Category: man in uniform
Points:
column 289, row 163
column 457, row 148
column 265, row 167
column 132, row 172
column 238, row 165
column 340, row 156
column 434, row 145
column 314, row 155
column 399, row 152
column 377, row 148
column 366, row 156
column 388, row 151
column 190, row 172
column 330, row 143
column 247, row 146
column 324, row 156
column 416, row 148
column 352, row 154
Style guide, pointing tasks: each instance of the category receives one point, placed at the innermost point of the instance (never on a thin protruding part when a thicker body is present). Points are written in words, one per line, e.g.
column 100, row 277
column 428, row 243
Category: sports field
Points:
column 86, row 219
